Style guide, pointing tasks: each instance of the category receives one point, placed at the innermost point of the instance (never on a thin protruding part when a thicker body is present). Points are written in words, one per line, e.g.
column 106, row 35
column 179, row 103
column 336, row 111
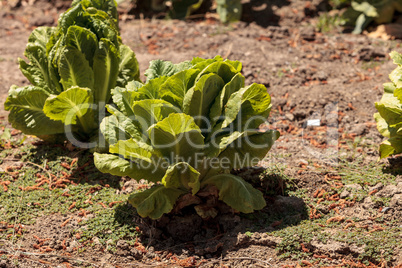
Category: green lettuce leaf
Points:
column 182, row 176
column 389, row 116
column 246, row 151
column 250, row 105
column 159, row 68
column 176, row 86
column 70, row 106
column 83, row 40
column 236, row 192
column 118, row 166
column 177, row 137
column 106, row 67
column 128, row 67
column 151, row 89
column 150, row 112
column 26, row 111
column 199, row 99
column 74, row 69
column 129, row 125
column 222, row 99
column 155, row 202
column 224, row 69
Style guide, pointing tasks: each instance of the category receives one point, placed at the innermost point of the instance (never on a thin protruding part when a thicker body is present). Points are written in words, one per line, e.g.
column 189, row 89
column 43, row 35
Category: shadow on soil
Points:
column 186, row 231
column 84, row 171
column 394, row 166
column 261, row 12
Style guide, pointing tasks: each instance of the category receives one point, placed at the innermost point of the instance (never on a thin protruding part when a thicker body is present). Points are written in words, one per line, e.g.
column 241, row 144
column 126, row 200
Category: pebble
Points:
column 344, row 194
column 122, row 244
column 377, row 187
column 396, row 201
column 290, row 116
column 359, row 129
column 354, row 186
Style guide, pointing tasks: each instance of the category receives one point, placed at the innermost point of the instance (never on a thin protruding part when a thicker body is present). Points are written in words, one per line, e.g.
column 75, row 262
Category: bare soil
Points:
column 334, row 78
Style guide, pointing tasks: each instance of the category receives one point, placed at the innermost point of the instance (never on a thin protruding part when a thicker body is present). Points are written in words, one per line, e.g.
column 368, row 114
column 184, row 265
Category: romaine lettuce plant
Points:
column 72, row 68
column 389, row 116
column 184, row 130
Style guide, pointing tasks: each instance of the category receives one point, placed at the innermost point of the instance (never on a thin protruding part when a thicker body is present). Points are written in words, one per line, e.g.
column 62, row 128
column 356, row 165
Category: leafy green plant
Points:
column 327, row 23
column 339, row 3
column 362, row 13
column 184, row 130
column 72, row 68
column 181, row 9
column 229, row 10
column 389, row 116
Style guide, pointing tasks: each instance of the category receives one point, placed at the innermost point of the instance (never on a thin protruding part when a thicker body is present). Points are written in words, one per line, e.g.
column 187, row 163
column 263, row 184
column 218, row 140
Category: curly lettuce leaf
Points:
column 159, row 68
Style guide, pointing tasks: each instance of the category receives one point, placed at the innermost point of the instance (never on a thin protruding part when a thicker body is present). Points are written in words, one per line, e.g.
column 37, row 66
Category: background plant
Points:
column 361, row 13
column 173, row 129
column 389, row 116
column 72, row 68
column 228, row 10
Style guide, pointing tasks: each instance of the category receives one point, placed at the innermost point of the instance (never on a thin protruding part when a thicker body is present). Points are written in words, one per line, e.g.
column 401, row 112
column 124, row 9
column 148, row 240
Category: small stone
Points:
column 136, row 254
column 396, row 201
column 14, row 3
column 282, row 102
column 359, row 129
column 385, row 209
column 323, row 209
column 150, row 255
column 300, row 114
column 96, row 241
column 354, row 186
column 344, row 194
column 290, row 116
column 399, row 186
column 122, row 244
column 321, row 75
column 388, row 191
column 242, row 239
column 357, row 250
column 73, row 244
column 303, row 162
column 376, row 187
column 308, row 33
column 368, row 203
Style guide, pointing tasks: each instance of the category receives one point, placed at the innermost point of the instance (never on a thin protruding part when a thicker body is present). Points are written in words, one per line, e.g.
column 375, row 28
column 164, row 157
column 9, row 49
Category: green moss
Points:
column 20, row 206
